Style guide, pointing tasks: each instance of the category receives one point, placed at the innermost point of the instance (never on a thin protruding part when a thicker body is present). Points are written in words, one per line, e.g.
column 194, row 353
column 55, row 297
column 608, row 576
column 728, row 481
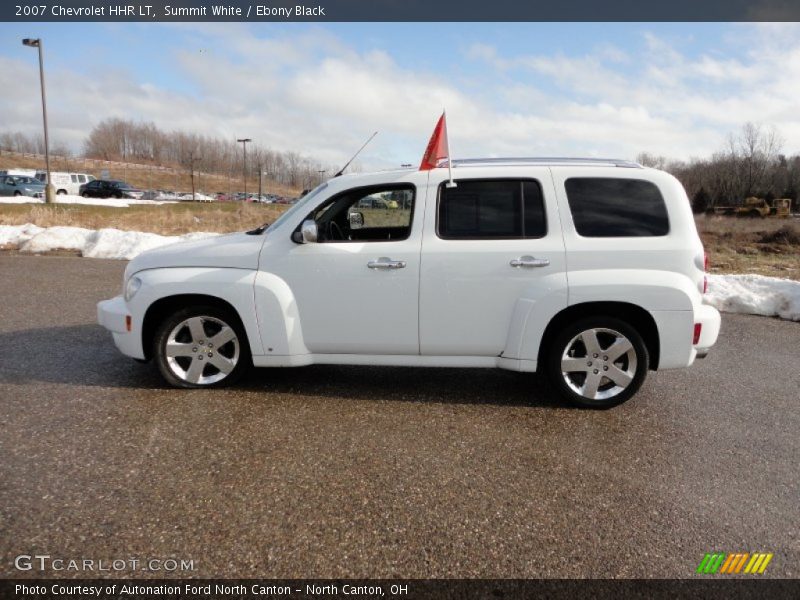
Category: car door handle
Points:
column 386, row 263
column 529, row 261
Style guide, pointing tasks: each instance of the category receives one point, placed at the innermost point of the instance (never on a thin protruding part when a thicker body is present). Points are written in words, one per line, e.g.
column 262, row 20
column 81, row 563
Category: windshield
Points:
column 298, row 207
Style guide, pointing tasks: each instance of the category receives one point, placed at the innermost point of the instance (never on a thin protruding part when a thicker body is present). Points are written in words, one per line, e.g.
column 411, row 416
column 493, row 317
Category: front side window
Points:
column 371, row 214
column 491, row 209
column 614, row 207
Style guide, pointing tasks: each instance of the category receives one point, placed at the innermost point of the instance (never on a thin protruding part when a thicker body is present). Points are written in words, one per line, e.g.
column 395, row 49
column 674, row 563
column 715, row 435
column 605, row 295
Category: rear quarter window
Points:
column 614, row 207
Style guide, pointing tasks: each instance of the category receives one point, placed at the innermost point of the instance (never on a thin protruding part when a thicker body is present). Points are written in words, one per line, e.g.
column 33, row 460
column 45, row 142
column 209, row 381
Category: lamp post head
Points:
column 244, row 140
column 33, row 43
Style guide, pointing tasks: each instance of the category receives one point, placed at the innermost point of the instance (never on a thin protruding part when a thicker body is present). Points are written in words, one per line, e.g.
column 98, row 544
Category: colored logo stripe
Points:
column 721, row 562
column 711, row 562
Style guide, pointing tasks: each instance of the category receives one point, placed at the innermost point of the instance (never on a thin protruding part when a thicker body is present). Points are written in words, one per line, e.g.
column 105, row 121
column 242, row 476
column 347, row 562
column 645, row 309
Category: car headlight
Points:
column 133, row 285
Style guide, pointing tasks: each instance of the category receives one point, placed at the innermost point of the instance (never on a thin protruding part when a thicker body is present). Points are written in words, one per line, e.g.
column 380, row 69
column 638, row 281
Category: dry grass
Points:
column 149, row 177
column 764, row 246
column 166, row 219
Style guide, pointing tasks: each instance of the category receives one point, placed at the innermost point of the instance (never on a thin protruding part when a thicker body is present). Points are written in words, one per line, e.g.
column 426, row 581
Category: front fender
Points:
column 278, row 316
column 234, row 286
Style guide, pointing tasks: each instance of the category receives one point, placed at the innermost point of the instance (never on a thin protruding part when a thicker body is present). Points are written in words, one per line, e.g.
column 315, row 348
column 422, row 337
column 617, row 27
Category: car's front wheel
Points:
column 85, row 194
column 202, row 346
column 598, row 362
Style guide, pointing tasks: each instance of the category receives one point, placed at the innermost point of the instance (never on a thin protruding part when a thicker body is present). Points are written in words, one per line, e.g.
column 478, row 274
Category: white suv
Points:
column 589, row 270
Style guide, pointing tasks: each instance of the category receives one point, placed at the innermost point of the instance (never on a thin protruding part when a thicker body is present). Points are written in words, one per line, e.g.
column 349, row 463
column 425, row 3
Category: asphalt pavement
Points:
column 331, row 471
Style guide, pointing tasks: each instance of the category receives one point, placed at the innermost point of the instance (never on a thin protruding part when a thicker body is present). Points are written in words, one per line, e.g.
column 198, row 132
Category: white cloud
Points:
column 313, row 93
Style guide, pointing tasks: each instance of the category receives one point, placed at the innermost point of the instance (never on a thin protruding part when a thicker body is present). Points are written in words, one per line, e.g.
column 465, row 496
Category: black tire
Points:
column 17, row 194
column 61, row 193
column 566, row 341
column 85, row 195
column 213, row 315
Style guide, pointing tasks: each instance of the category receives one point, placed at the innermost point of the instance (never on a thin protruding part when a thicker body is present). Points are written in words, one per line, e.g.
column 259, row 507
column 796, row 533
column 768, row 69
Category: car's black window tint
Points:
column 535, row 224
column 491, row 209
column 614, row 207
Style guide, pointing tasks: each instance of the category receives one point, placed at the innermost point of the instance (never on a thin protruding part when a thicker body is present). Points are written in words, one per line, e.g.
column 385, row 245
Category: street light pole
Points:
column 37, row 43
column 244, row 165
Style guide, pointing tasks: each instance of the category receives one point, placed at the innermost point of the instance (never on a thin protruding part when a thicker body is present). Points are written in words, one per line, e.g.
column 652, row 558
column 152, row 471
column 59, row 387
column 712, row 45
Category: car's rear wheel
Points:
column 598, row 362
column 200, row 347
column 85, row 195
column 61, row 192
column 18, row 193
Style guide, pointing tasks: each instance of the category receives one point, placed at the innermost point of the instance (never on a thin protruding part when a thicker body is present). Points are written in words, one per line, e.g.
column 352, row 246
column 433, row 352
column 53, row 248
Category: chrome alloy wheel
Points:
column 598, row 364
column 202, row 350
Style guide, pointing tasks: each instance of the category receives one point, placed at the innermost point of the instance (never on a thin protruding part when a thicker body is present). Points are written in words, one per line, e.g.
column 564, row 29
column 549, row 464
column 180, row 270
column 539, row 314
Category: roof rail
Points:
column 546, row 160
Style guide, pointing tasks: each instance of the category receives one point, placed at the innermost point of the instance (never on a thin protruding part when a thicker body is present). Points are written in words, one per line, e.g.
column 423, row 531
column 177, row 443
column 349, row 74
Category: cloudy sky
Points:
column 509, row 89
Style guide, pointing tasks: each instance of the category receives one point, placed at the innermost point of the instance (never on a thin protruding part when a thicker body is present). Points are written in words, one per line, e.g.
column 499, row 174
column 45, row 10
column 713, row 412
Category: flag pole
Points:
column 451, row 183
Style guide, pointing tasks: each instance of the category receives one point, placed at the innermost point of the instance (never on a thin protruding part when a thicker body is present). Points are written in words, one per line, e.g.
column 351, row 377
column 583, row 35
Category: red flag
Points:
column 437, row 146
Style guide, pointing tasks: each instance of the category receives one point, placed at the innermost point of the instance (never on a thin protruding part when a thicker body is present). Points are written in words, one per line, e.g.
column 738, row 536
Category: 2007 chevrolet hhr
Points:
column 591, row 271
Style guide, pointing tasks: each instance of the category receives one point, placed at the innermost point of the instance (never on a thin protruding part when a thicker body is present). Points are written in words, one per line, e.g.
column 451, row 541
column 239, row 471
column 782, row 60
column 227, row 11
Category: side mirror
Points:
column 356, row 220
column 308, row 231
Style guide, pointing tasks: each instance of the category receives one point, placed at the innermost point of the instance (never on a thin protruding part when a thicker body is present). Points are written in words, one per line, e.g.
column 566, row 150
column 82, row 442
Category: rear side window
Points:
column 491, row 209
column 606, row 207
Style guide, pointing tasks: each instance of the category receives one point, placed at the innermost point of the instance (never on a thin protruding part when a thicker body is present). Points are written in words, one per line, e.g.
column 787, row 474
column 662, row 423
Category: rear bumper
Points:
column 113, row 314
column 709, row 318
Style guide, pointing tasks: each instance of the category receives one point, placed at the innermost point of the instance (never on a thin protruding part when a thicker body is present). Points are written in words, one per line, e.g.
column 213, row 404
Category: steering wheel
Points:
column 334, row 231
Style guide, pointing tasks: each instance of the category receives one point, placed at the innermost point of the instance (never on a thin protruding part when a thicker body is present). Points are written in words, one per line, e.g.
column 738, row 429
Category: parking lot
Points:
column 377, row 472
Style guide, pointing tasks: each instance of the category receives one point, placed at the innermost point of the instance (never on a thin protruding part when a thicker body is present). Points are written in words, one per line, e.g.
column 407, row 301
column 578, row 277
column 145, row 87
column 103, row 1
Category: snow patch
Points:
column 67, row 199
column 102, row 243
column 57, row 238
column 755, row 295
column 16, row 235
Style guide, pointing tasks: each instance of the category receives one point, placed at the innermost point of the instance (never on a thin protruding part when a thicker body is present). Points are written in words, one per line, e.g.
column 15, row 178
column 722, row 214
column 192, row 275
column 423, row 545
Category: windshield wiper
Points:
column 258, row 230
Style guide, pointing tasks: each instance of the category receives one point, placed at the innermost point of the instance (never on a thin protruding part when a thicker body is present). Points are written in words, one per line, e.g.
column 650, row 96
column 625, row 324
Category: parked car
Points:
column 65, row 183
column 110, row 188
column 20, row 185
column 589, row 271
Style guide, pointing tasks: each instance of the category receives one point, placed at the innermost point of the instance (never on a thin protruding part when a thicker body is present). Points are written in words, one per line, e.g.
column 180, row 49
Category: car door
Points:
column 5, row 190
column 356, row 289
column 493, row 248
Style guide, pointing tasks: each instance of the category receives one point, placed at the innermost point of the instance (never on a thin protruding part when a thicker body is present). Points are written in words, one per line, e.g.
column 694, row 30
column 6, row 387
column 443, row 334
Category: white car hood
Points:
column 235, row 250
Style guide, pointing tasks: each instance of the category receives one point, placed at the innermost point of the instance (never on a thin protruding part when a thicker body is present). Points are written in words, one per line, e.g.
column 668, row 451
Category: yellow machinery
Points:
column 757, row 207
